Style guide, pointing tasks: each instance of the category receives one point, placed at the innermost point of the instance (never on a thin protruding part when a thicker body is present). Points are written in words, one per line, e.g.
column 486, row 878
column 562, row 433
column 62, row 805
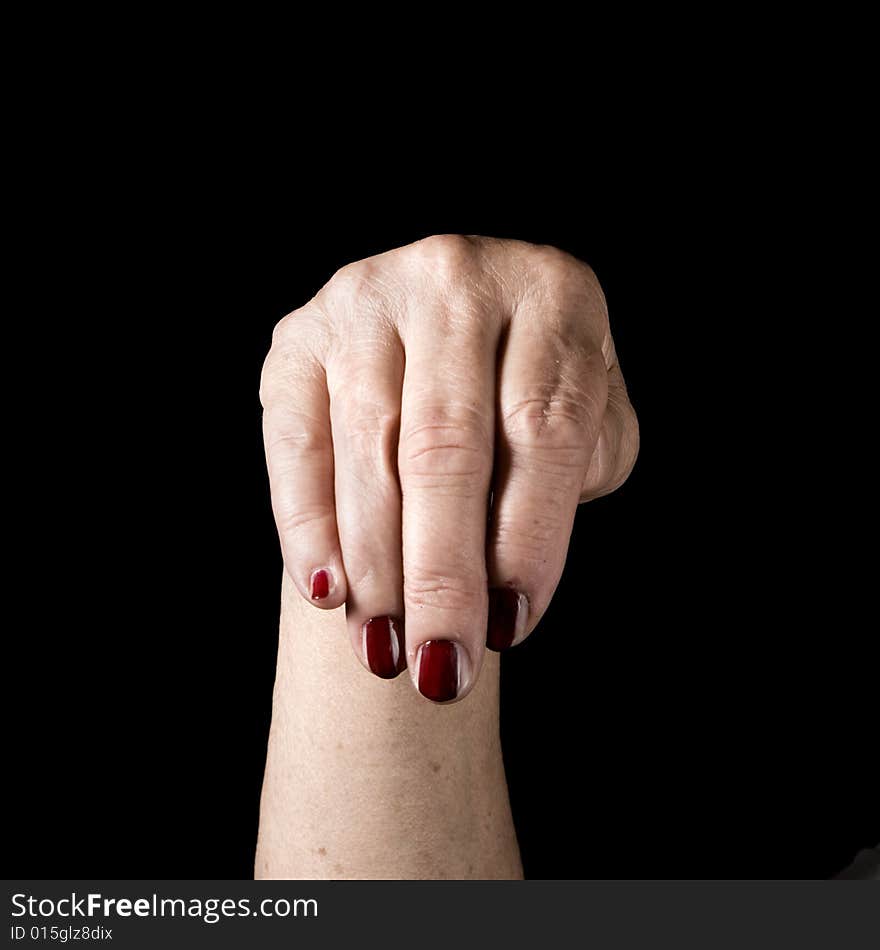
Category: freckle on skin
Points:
column 436, row 766
column 322, row 852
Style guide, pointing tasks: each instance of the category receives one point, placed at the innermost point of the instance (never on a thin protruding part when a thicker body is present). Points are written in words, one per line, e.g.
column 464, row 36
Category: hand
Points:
column 432, row 418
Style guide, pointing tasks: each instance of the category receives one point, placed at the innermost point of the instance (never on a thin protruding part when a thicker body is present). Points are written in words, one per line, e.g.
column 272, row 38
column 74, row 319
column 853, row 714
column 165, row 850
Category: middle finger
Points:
column 445, row 465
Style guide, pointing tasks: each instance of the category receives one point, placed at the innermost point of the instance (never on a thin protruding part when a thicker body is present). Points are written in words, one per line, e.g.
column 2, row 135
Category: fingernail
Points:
column 508, row 614
column 384, row 646
column 320, row 584
column 439, row 666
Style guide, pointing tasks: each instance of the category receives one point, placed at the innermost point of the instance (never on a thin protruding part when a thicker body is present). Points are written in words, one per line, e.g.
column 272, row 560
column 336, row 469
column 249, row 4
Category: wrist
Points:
column 366, row 778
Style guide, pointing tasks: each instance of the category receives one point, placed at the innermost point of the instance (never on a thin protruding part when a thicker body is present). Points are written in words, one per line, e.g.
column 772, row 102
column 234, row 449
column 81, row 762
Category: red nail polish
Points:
column 320, row 584
column 384, row 646
column 508, row 611
column 438, row 670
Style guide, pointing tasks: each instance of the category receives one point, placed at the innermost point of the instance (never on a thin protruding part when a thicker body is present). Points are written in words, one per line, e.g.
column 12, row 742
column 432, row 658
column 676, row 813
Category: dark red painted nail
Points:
column 438, row 670
column 508, row 611
column 384, row 646
column 320, row 584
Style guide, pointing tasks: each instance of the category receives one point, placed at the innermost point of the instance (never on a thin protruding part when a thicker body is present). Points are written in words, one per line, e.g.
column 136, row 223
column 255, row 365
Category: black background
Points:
column 691, row 705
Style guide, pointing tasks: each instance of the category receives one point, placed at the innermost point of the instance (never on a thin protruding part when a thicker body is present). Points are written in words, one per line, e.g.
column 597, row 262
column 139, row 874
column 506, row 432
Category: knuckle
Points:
column 439, row 459
column 442, row 464
column 302, row 438
column 426, row 587
column 453, row 290
column 273, row 378
column 446, row 443
column 364, row 286
column 296, row 342
column 446, row 254
column 267, row 374
column 628, row 448
column 283, row 328
column 553, row 420
column 371, row 434
column 292, row 518
column 297, row 326
column 569, row 292
column 368, row 425
column 562, row 271
column 352, row 275
column 617, row 450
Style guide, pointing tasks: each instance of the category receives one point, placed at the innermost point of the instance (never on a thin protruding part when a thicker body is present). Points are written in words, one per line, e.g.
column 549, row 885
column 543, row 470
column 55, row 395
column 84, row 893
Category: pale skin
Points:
column 432, row 419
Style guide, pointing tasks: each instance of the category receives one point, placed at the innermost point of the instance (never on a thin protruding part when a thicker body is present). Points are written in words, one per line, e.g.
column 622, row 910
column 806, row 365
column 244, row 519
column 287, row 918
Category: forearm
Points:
column 366, row 779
